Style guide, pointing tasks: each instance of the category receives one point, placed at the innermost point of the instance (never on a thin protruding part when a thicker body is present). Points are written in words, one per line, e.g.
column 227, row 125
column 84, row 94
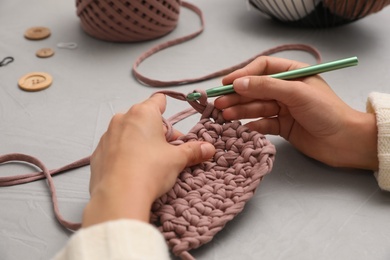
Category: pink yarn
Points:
column 128, row 20
column 158, row 83
column 138, row 20
column 206, row 196
column 45, row 173
column 355, row 9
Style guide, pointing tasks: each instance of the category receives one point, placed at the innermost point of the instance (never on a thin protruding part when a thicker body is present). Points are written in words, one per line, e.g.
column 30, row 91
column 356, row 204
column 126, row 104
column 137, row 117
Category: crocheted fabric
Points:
column 206, row 196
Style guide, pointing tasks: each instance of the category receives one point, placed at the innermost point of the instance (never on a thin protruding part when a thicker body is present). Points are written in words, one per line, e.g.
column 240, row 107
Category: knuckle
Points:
column 116, row 119
column 137, row 109
column 192, row 153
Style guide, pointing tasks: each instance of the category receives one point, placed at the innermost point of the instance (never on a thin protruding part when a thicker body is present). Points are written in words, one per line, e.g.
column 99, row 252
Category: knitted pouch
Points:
column 206, row 196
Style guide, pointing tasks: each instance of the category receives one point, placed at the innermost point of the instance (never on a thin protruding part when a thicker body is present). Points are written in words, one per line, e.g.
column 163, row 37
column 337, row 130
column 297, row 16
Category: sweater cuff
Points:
column 379, row 103
column 117, row 239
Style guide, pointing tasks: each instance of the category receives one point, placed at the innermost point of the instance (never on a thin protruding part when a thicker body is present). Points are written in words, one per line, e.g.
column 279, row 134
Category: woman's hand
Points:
column 133, row 164
column 306, row 112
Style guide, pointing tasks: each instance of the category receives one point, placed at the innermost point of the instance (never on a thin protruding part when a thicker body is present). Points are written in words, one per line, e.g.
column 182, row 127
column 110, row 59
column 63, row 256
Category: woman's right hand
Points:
column 306, row 112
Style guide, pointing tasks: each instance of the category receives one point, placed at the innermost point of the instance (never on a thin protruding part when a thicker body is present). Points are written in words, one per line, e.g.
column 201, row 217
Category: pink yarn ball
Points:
column 128, row 20
column 355, row 9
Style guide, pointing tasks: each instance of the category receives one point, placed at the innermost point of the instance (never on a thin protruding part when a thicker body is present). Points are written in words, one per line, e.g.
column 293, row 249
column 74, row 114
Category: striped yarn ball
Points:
column 286, row 10
column 318, row 13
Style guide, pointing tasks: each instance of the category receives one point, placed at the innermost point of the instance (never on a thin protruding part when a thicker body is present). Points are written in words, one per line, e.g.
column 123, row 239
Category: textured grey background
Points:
column 302, row 210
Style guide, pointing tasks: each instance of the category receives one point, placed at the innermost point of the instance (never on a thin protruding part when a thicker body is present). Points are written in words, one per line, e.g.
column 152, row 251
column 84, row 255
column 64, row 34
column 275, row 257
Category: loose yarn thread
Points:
column 130, row 21
column 159, row 83
column 206, row 196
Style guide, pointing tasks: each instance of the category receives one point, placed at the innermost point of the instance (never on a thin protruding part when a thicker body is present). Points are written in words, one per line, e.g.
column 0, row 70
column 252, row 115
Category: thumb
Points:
column 268, row 88
column 196, row 152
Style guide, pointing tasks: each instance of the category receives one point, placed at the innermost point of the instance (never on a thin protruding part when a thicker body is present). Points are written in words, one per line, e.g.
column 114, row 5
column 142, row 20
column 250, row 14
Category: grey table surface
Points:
column 302, row 210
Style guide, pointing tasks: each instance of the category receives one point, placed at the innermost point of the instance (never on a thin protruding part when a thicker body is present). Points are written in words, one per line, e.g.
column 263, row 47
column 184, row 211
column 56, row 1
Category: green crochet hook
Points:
column 291, row 74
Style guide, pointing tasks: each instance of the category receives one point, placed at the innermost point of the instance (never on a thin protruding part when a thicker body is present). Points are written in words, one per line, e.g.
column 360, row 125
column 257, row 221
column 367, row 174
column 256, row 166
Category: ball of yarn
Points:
column 128, row 20
column 318, row 13
column 355, row 9
column 285, row 11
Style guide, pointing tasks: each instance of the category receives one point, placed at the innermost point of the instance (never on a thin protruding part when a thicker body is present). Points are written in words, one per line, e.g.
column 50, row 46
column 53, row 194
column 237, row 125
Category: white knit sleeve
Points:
column 119, row 239
column 379, row 103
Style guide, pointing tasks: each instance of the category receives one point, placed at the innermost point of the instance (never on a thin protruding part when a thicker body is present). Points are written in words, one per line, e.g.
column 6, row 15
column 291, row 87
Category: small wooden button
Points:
column 35, row 81
column 45, row 53
column 37, row 33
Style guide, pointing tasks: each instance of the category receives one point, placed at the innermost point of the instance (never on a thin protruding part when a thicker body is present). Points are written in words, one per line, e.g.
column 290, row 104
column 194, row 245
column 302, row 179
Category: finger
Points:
column 265, row 126
column 230, row 100
column 196, row 152
column 264, row 65
column 148, row 111
column 267, row 88
column 156, row 103
column 158, row 100
column 176, row 134
column 254, row 109
column 115, row 122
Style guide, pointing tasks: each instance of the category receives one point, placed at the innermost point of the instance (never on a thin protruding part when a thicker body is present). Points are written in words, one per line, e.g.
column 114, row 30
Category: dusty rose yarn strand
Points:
column 132, row 21
column 158, row 83
column 45, row 173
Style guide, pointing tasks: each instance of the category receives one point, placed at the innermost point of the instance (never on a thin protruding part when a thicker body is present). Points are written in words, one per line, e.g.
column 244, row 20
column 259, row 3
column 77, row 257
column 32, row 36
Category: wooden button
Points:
column 45, row 53
column 35, row 81
column 37, row 33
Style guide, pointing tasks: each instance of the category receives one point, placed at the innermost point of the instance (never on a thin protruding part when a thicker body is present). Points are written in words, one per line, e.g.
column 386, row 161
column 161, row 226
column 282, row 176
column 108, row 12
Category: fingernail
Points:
column 241, row 84
column 206, row 149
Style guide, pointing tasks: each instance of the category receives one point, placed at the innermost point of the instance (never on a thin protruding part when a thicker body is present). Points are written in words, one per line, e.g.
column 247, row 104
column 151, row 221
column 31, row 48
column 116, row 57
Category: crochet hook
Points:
column 291, row 74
